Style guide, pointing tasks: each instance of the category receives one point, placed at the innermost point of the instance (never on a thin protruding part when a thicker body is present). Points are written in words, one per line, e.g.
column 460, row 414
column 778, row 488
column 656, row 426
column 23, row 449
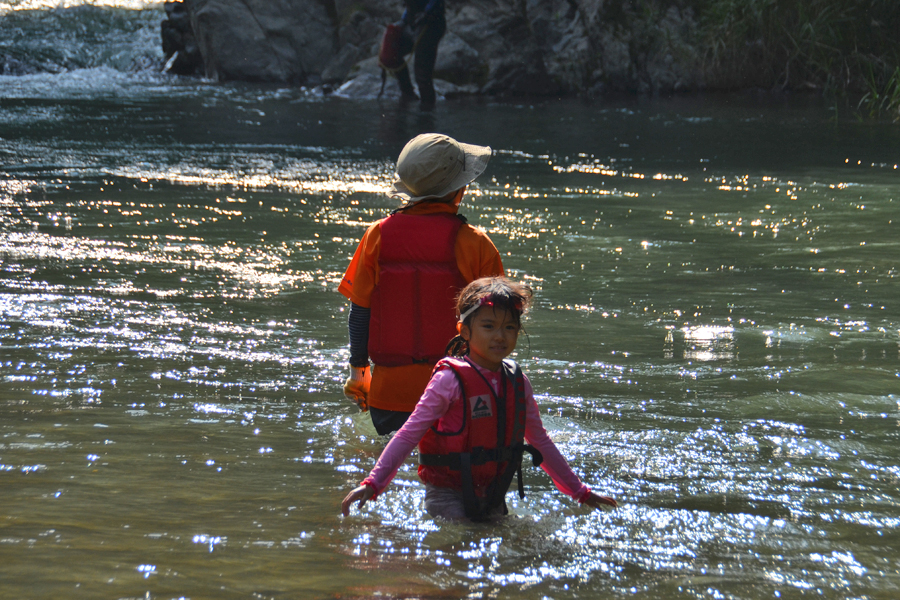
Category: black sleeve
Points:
column 359, row 335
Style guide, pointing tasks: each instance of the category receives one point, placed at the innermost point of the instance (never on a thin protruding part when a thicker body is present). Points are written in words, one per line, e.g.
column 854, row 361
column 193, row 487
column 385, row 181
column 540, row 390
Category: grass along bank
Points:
column 847, row 49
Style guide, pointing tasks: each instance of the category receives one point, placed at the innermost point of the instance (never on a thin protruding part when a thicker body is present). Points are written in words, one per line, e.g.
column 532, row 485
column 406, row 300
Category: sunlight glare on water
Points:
column 714, row 342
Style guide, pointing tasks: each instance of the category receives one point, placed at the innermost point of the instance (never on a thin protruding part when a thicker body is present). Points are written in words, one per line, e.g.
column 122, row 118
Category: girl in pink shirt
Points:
column 476, row 418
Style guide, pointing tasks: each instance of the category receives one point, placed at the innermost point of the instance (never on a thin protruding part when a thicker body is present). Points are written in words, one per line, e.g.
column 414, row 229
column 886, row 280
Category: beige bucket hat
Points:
column 432, row 165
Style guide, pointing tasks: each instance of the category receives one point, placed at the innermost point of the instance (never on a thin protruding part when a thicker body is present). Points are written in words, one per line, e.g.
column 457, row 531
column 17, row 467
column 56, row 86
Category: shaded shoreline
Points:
column 843, row 50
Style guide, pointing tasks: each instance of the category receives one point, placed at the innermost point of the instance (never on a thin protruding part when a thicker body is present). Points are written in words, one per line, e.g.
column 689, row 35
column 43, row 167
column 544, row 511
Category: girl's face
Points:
column 492, row 335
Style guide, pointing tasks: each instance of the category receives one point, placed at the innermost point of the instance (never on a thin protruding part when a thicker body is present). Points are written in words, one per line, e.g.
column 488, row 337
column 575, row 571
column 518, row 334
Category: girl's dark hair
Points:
column 498, row 292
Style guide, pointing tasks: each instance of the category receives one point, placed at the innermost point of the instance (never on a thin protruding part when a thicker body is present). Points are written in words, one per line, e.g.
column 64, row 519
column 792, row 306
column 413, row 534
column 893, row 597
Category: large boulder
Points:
column 263, row 40
column 459, row 63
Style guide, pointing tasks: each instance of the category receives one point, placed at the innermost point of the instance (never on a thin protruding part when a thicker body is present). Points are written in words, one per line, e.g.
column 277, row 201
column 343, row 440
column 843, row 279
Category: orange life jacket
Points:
column 481, row 457
column 413, row 306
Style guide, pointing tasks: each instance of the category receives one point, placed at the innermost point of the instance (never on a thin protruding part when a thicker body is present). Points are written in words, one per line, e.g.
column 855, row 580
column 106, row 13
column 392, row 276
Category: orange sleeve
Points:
column 476, row 255
column 362, row 274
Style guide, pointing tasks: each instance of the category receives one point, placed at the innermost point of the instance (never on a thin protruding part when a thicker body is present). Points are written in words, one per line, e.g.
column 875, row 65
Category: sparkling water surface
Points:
column 715, row 343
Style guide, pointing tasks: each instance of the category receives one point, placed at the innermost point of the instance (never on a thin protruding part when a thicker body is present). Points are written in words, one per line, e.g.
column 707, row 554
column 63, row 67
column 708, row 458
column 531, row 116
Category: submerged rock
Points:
column 364, row 83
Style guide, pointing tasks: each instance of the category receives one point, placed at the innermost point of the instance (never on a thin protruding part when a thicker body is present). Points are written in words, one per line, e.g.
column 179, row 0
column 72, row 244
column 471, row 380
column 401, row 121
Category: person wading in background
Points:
column 405, row 275
column 426, row 20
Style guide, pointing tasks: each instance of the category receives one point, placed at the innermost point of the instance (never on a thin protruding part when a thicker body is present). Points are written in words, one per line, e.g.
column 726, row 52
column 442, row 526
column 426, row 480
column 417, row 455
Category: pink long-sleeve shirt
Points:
column 442, row 391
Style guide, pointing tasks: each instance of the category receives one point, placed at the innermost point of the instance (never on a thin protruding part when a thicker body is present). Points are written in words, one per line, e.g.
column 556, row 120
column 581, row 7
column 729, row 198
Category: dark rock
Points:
column 178, row 43
column 520, row 75
column 12, row 66
column 459, row 63
column 340, row 66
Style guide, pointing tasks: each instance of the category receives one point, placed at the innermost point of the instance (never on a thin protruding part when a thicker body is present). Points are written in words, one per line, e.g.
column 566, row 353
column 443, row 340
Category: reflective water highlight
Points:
column 715, row 343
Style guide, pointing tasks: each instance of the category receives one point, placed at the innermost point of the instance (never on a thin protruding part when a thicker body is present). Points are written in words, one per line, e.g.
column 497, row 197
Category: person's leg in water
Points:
column 387, row 421
column 407, row 93
column 407, row 46
column 444, row 502
column 448, row 504
column 426, row 56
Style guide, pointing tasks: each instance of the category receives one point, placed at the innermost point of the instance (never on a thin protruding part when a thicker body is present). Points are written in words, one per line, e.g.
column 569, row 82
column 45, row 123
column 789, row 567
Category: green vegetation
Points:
column 848, row 49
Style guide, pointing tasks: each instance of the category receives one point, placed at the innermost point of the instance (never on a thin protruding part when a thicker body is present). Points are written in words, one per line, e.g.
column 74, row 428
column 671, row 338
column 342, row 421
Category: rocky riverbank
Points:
column 492, row 47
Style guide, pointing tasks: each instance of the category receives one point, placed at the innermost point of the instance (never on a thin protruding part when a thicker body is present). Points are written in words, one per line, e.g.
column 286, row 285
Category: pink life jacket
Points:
column 481, row 457
column 413, row 305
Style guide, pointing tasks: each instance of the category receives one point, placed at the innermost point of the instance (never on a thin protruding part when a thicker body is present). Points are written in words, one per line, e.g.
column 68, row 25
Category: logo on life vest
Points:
column 481, row 406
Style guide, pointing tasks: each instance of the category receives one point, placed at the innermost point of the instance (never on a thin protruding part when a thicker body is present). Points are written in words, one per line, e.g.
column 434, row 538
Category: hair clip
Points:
column 484, row 300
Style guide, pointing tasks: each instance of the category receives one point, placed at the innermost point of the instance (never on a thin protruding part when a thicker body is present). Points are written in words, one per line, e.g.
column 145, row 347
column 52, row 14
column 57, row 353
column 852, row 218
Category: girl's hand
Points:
column 596, row 501
column 363, row 493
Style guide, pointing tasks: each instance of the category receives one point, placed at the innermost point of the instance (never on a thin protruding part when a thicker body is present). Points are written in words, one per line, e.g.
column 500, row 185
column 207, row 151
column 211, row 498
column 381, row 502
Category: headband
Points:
column 473, row 308
column 484, row 301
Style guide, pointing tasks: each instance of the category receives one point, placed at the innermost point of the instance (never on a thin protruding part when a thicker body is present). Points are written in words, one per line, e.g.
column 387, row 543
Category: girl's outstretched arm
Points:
column 432, row 406
column 596, row 501
column 363, row 493
column 554, row 463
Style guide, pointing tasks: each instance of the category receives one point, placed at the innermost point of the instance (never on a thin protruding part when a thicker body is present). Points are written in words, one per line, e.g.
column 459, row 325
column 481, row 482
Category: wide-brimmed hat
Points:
column 432, row 165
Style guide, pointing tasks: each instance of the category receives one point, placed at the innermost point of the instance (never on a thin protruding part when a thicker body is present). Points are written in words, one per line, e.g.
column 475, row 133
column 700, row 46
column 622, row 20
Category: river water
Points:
column 715, row 341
